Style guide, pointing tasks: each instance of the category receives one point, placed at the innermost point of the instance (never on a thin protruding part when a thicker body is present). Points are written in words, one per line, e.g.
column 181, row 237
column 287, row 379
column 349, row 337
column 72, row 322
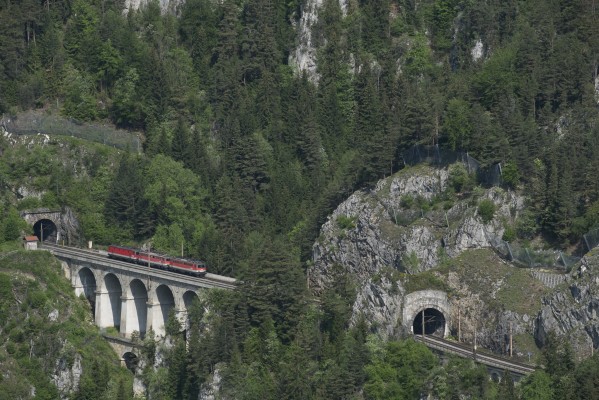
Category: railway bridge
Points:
column 130, row 297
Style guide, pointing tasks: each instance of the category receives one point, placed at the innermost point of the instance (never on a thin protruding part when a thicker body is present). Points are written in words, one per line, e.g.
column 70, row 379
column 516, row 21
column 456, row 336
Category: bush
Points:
column 407, row 201
column 526, row 226
column 509, row 234
column 486, row 210
column 510, row 174
column 345, row 222
column 459, row 178
column 29, row 203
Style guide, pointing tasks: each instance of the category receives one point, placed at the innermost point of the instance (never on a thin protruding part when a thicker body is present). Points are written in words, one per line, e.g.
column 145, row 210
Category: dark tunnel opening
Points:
column 434, row 323
column 131, row 361
column 45, row 230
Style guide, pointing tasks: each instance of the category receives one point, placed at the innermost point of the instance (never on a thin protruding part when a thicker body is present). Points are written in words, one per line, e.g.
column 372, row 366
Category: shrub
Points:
column 510, row 174
column 410, row 262
column 509, row 234
column 486, row 210
column 459, row 178
column 345, row 222
column 29, row 203
column 36, row 299
column 407, row 201
column 526, row 226
column 423, row 203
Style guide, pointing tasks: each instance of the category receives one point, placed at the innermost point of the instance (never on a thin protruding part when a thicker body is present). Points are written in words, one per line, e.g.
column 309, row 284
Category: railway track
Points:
column 466, row 351
column 210, row 280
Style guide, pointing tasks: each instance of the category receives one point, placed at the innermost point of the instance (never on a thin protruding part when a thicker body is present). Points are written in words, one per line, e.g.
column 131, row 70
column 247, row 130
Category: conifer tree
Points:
column 180, row 147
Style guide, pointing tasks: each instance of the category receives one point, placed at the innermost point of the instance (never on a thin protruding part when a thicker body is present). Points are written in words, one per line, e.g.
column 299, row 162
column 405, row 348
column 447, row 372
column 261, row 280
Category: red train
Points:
column 155, row 260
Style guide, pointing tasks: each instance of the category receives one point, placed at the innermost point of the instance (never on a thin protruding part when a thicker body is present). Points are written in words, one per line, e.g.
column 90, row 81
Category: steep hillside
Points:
column 415, row 231
column 571, row 311
column 49, row 345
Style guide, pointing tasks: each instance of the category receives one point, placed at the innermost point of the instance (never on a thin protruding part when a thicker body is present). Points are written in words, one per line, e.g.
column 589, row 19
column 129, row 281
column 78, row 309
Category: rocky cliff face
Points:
column 166, row 6
column 304, row 55
column 572, row 309
column 400, row 228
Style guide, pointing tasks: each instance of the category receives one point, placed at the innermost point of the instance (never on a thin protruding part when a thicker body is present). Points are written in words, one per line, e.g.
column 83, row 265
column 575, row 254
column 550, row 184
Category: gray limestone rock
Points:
column 377, row 235
column 572, row 309
column 66, row 377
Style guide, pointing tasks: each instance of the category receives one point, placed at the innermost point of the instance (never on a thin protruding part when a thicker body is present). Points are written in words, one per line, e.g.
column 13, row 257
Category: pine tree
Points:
column 275, row 286
column 506, row 387
column 180, row 147
column 370, row 135
column 126, row 205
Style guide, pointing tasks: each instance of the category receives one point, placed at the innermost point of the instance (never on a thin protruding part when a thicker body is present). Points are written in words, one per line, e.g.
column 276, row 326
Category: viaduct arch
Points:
column 130, row 297
column 129, row 303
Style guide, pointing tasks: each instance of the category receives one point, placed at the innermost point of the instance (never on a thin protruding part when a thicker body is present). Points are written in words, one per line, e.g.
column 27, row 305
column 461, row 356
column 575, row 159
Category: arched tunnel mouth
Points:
column 434, row 322
column 131, row 361
column 45, row 230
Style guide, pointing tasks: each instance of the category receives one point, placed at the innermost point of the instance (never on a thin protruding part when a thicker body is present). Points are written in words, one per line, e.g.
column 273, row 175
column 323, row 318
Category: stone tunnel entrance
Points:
column 434, row 322
column 131, row 361
column 45, row 230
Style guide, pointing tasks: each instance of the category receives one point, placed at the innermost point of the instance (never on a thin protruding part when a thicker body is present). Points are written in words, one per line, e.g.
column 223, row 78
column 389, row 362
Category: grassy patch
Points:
column 524, row 343
column 10, row 246
column 427, row 280
column 521, row 292
column 499, row 284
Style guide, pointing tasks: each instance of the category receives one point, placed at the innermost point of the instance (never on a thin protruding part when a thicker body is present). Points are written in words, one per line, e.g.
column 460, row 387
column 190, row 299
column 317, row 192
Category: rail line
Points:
column 209, row 280
column 466, row 351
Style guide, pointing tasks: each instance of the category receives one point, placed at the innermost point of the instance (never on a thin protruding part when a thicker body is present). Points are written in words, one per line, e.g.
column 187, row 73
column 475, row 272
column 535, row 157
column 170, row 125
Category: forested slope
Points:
column 244, row 156
column 509, row 82
column 49, row 347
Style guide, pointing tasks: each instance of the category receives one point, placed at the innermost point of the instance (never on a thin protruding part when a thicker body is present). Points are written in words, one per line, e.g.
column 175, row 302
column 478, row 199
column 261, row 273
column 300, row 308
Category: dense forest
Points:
column 244, row 156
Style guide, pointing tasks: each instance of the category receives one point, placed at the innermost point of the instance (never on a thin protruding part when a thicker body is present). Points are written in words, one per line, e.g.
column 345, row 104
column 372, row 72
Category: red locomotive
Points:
column 155, row 260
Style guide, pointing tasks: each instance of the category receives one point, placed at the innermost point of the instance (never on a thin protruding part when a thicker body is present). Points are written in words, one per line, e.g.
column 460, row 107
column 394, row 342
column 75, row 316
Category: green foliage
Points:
column 410, row 262
column 419, row 57
column 80, row 102
column 509, row 234
column 510, row 174
column 536, row 386
column 486, row 210
column 35, row 345
column 424, row 280
column 241, row 152
column 345, row 222
column 459, row 178
column 407, row 201
column 401, row 371
column 13, row 225
column 457, row 123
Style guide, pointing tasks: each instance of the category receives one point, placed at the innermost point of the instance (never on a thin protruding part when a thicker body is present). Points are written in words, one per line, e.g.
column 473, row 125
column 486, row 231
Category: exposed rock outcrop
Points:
column 573, row 309
column 303, row 57
column 166, row 6
column 402, row 227
column 66, row 377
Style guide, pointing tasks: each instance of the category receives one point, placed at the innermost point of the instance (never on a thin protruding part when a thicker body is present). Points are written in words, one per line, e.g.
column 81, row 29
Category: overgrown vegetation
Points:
column 486, row 210
column 46, row 327
column 243, row 159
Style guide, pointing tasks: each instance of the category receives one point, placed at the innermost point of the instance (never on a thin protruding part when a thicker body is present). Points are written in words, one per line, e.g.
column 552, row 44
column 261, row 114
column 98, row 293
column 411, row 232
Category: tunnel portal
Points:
column 434, row 322
column 45, row 230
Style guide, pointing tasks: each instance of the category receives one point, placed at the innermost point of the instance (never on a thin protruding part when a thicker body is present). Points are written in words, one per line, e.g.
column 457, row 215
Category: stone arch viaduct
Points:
column 130, row 297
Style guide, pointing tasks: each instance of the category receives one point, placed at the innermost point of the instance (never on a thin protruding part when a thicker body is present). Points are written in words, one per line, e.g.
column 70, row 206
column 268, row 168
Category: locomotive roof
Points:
column 152, row 253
